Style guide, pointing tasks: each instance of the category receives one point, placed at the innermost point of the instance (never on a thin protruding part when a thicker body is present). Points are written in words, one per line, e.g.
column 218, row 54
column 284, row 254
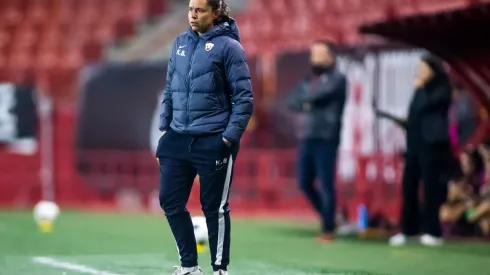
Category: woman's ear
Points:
column 216, row 14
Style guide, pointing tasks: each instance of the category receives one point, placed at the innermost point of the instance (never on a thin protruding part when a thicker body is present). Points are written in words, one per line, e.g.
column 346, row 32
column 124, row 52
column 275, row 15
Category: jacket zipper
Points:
column 189, row 83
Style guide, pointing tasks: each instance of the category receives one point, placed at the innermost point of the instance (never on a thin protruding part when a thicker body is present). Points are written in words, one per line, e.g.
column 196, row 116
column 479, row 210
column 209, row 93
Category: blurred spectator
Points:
column 461, row 192
column 320, row 99
column 463, row 116
column 484, row 150
column 428, row 148
column 479, row 211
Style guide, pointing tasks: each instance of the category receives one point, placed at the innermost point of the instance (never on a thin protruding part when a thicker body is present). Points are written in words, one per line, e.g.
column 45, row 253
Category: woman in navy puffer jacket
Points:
column 206, row 107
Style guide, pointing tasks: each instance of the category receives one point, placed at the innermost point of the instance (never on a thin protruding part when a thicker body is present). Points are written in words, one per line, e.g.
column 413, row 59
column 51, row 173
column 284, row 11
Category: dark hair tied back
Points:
column 224, row 10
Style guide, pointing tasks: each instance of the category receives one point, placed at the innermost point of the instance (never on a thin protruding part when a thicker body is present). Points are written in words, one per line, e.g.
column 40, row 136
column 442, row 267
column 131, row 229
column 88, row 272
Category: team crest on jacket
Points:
column 209, row 46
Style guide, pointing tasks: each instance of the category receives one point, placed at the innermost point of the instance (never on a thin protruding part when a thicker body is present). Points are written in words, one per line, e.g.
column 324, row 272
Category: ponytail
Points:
column 224, row 10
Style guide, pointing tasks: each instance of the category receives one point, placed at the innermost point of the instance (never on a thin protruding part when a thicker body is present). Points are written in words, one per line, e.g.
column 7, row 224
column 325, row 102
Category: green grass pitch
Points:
column 124, row 244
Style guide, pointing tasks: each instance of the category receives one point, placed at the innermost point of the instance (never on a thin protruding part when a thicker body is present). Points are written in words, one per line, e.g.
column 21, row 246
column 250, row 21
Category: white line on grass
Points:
column 160, row 261
column 71, row 266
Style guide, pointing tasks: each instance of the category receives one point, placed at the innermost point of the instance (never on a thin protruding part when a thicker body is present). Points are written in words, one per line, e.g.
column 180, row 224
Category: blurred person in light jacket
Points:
column 319, row 99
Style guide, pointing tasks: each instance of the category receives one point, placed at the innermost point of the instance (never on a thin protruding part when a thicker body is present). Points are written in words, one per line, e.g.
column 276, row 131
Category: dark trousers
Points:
column 317, row 159
column 181, row 158
column 429, row 164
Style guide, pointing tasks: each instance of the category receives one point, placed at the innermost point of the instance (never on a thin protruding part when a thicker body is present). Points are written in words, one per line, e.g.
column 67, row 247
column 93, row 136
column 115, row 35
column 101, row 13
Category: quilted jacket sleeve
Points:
column 166, row 106
column 238, row 78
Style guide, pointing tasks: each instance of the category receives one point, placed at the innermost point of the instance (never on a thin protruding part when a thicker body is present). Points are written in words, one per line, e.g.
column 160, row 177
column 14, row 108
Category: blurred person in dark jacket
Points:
column 428, row 151
column 207, row 104
column 463, row 115
column 320, row 98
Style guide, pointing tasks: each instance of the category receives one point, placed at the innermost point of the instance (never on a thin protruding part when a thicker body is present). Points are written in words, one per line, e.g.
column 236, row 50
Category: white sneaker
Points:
column 196, row 270
column 398, row 240
column 220, row 272
column 430, row 240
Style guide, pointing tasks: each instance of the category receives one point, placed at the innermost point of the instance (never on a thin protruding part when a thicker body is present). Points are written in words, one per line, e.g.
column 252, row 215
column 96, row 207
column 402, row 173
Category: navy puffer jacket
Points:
column 208, row 87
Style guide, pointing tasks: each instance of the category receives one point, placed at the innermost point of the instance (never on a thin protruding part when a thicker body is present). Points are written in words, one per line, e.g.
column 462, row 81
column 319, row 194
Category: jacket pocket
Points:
column 222, row 146
column 161, row 141
column 162, row 137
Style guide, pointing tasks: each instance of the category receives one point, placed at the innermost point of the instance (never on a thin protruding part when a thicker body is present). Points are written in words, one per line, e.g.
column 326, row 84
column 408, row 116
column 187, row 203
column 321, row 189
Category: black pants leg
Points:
column 176, row 178
column 433, row 168
column 176, row 181
column 325, row 159
column 307, row 175
column 214, row 162
column 410, row 220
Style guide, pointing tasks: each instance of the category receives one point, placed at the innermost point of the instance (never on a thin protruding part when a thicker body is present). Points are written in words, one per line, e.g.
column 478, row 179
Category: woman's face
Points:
column 424, row 73
column 201, row 16
column 320, row 54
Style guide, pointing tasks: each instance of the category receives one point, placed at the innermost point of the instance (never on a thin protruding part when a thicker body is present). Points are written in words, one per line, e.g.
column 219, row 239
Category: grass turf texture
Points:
column 120, row 244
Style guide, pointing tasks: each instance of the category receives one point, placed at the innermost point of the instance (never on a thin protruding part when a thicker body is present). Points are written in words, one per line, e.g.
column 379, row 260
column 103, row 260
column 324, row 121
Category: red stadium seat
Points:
column 19, row 60
column 87, row 15
column 356, row 6
column 349, row 33
column 63, row 83
column 3, row 61
column 156, row 7
column 87, row 11
column 299, row 6
column 45, row 60
column 137, row 10
column 114, row 9
column 327, row 27
column 70, row 57
column 92, row 51
column 250, row 47
column 3, row 68
column 62, row 35
column 246, row 26
column 427, row 6
column 301, row 24
column 105, row 31
column 49, row 40
column 66, row 12
column 377, row 12
column 37, row 12
column 402, row 8
column 79, row 32
column 278, row 7
column 125, row 27
column 5, row 38
column 25, row 38
column 335, row 6
column 319, row 6
column 267, row 27
column 11, row 13
column 259, row 6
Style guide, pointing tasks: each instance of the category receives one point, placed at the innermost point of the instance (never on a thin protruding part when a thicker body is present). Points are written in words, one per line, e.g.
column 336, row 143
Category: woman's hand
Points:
column 227, row 142
column 163, row 133
column 419, row 83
